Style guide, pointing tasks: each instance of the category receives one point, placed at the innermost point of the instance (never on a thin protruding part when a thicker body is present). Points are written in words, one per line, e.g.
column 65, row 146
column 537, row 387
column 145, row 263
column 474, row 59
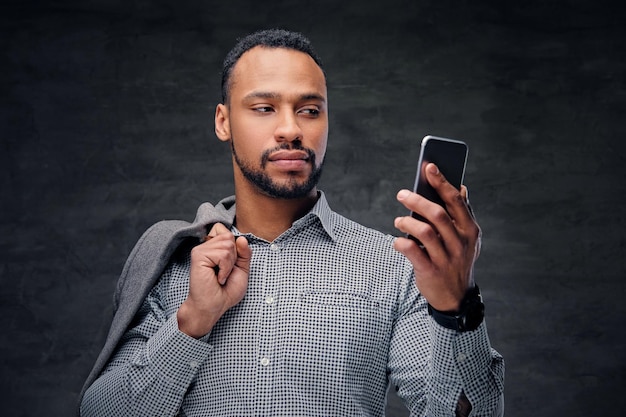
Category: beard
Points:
column 262, row 181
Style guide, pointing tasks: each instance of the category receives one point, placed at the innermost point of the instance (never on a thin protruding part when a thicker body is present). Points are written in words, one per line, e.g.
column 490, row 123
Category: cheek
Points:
column 249, row 139
column 321, row 153
column 321, row 143
column 246, row 151
column 250, row 132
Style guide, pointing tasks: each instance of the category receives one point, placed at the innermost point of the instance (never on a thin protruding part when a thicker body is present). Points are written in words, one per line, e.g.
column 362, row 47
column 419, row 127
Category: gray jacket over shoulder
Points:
column 144, row 266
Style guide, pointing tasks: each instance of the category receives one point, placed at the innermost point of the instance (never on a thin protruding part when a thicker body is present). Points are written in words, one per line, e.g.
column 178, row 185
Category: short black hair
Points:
column 269, row 38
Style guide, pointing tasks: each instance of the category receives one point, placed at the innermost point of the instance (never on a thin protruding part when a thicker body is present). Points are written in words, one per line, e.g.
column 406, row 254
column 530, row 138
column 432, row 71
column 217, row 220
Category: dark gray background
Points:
column 107, row 126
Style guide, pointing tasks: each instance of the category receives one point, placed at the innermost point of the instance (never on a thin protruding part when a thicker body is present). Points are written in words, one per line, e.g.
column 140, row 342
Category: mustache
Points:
column 288, row 146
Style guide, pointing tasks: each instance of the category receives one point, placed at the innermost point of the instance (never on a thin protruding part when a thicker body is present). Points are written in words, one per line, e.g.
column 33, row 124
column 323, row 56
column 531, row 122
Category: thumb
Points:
column 244, row 253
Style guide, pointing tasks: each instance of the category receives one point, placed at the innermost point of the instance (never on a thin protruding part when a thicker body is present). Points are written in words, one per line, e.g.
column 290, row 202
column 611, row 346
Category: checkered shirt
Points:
column 331, row 316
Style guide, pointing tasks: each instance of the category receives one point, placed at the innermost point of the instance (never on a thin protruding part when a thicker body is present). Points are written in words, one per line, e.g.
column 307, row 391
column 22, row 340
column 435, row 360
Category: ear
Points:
column 222, row 123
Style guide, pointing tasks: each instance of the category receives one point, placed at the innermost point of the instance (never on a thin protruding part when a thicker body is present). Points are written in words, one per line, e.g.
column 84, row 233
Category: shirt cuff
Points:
column 461, row 359
column 176, row 355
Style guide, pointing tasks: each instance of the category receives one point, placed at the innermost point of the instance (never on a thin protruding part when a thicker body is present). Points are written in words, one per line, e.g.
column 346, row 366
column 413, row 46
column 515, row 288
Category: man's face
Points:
column 277, row 121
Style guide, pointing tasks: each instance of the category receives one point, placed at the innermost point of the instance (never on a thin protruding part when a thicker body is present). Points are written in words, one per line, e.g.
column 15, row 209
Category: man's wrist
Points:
column 470, row 315
column 193, row 324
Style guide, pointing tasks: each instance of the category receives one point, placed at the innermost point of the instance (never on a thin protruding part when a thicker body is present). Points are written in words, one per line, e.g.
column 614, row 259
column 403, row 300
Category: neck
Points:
column 267, row 217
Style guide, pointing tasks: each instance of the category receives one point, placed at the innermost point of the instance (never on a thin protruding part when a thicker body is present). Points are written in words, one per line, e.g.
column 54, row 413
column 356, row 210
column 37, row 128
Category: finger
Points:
column 237, row 279
column 465, row 195
column 455, row 200
column 213, row 258
column 438, row 235
column 411, row 251
column 217, row 229
column 439, row 182
column 223, row 269
column 413, row 201
column 239, row 269
column 428, row 232
column 425, row 233
column 227, row 260
column 219, row 254
column 463, row 229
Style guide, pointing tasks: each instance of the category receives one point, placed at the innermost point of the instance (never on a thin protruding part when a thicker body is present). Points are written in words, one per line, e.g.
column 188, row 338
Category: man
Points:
column 285, row 307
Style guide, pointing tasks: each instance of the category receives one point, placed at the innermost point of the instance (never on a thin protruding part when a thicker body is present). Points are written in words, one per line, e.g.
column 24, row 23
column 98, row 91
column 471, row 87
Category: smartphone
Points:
column 450, row 156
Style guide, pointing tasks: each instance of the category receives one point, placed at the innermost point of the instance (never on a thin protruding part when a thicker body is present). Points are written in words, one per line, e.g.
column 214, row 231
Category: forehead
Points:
column 280, row 69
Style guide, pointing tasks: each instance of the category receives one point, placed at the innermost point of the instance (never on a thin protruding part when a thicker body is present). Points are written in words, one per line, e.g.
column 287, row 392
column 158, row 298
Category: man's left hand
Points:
column 450, row 239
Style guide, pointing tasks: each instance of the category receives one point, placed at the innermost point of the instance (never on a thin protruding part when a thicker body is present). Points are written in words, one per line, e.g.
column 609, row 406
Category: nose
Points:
column 288, row 128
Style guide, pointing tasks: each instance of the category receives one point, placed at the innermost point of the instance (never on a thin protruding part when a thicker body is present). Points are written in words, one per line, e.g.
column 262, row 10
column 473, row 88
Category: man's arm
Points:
column 474, row 370
column 441, row 372
column 157, row 360
column 153, row 365
column 443, row 269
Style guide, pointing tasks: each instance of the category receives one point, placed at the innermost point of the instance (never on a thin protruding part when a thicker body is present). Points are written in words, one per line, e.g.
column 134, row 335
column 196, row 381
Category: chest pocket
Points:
column 339, row 299
column 339, row 327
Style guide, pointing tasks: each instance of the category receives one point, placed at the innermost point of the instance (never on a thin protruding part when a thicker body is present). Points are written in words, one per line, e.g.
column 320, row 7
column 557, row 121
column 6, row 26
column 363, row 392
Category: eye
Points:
column 263, row 109
column 310, row 111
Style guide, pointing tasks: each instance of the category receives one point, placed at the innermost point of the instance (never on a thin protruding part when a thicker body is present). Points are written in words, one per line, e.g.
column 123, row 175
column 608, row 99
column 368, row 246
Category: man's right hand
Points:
column 218, row 280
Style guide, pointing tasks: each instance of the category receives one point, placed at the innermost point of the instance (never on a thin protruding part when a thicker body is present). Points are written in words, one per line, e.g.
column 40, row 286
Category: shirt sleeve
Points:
column 430, row 365
column 153, row 367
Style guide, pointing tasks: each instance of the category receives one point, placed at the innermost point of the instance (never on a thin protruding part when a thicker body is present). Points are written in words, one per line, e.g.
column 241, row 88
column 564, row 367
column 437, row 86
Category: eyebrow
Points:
column 275, row 96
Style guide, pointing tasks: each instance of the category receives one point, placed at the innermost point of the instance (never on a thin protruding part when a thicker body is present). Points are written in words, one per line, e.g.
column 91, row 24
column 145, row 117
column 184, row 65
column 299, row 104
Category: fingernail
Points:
column 402, row 194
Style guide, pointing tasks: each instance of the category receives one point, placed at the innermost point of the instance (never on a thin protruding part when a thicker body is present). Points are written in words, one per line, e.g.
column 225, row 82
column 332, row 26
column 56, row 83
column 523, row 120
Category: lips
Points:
column 288, row 155
column 291, row 160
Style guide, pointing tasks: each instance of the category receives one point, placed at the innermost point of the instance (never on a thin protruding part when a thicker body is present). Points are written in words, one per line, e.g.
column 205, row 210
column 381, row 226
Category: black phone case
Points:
column 450, row 156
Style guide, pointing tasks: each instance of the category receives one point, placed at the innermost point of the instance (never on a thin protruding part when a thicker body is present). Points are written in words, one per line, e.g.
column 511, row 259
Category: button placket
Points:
column 267, row 325
column 268, row 317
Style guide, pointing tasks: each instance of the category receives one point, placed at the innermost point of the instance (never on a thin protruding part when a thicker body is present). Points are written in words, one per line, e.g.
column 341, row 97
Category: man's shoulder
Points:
column 341, row 227
column 346, row 229
column 365, row 245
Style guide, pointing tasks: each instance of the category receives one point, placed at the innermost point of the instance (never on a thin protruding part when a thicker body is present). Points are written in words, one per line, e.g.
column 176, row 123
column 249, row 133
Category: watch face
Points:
column 474, row 315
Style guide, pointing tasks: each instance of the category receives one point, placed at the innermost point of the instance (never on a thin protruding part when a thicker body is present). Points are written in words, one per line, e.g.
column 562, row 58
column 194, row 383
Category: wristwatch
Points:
column 469, row 316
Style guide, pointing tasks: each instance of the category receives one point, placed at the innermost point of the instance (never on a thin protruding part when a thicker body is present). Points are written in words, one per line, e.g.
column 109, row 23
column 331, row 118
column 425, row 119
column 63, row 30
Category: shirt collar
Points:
column 321, row 210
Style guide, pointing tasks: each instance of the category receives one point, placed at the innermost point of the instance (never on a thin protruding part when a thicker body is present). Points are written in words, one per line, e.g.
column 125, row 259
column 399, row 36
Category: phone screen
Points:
column 450, row 156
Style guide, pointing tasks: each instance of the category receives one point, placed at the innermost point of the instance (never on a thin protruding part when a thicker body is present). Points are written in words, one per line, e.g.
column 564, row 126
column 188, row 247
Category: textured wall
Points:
column 106, row 127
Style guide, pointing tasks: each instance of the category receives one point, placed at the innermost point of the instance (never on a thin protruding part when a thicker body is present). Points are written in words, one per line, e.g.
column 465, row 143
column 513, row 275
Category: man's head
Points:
column 275, row 115
column 271, row 38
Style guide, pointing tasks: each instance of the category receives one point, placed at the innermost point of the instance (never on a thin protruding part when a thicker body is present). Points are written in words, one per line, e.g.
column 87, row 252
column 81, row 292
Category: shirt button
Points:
column 269, row 299
column 461, row 357
column 274, row 247
column 194, row 364
column 265, row 361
